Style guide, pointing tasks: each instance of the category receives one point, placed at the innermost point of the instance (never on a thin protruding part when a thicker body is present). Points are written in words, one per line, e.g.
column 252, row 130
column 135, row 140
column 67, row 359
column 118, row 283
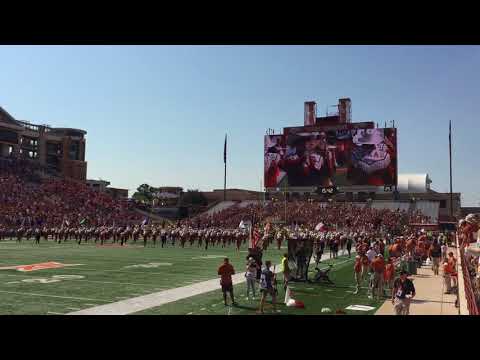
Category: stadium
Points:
column 332, row 197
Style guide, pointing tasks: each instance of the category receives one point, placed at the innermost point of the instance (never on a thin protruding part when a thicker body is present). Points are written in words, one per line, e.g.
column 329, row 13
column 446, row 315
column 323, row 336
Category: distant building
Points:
column 117, row 193
column 99, row 185
column 103, row 186
column 61, row 150
column 175, row 190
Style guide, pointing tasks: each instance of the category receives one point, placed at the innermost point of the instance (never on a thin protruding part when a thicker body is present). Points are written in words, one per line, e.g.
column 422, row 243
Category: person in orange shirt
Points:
column 226, row 271
column 378, row 267
column 357, row 268
column 389, row 274
column 365, row 266
column 453, row 266
column 447, row 276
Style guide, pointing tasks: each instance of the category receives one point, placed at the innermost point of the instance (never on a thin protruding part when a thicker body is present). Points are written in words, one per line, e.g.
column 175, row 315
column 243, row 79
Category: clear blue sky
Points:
column 158, row 114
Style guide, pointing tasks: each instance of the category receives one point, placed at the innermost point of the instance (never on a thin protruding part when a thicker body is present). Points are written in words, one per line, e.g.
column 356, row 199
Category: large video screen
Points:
column 331, row 158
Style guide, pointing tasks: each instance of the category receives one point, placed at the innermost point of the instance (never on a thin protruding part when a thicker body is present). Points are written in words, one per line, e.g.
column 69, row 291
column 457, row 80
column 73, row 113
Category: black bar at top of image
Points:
column 342, row 24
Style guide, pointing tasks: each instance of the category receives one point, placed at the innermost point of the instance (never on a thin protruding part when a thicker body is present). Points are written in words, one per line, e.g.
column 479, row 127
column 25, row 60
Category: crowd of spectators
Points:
column 26, row 199
column 309, row 214
column 469, row 241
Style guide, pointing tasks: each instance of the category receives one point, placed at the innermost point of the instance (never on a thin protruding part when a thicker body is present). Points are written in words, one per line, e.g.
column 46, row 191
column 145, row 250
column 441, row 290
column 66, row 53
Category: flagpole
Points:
column 450, row 155
column 225, row 170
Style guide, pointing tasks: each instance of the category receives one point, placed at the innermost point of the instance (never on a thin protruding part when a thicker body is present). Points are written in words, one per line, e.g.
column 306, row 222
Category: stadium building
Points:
column 104, row 186
column 60, row 150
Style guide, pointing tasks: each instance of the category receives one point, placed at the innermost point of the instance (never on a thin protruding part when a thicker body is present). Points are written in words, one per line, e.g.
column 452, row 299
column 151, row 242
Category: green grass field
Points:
column 315, row 297
column 109, row 274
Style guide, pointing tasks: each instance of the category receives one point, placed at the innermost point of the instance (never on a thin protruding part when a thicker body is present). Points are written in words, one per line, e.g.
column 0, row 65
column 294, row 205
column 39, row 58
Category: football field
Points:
column 319, row 299
column 55, row 279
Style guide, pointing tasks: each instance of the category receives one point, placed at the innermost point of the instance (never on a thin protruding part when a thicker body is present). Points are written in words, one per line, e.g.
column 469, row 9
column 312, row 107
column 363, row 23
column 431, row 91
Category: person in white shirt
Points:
column 371, row 254
column 444, row 252
column 251, row 276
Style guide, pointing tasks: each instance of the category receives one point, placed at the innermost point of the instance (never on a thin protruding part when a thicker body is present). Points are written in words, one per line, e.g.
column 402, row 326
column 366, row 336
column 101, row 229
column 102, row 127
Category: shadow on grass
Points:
column 245, row 307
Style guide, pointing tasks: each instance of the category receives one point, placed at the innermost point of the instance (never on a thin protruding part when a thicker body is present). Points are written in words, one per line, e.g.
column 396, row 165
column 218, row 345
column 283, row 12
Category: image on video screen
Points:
column 331, row 158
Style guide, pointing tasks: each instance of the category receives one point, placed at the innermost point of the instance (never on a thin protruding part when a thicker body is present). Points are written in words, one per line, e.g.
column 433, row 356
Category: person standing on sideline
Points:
column 251, row 275
column 444, row 251
column 453, row 263
column 378, row 267
column 349, row 246
column 435, row 253
column 226, row 271
column 389, row 274
column 357, row 270
column 266, row 286
column 301, row 262
column 447, row 277
column 286, row 271
column 402, row 293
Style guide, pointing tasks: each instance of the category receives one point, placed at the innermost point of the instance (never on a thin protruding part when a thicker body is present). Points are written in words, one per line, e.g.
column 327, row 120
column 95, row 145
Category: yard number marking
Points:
column 148, row 266
column 52, row 279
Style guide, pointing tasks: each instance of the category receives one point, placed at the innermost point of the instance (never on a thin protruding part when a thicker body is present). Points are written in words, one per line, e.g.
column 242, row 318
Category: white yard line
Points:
column 115, row 282
column 54, row 296
column 140, row 303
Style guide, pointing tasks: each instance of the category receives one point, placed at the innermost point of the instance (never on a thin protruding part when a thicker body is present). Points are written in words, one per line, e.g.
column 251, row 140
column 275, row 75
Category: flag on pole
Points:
column 255, row 238
column 145, row 221
column 225, row 150
column 83, row 221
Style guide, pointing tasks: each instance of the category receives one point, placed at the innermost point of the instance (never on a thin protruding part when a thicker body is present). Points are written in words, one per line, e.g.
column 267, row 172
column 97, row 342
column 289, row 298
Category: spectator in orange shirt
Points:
column 389, row 274
column 365, row 266
column 378, row 267
column 453, row 265
column 226, row 271
column 447, row 272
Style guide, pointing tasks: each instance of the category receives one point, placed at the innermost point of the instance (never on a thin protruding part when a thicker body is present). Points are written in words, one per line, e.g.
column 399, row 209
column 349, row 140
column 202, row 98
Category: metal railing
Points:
column 466, row 286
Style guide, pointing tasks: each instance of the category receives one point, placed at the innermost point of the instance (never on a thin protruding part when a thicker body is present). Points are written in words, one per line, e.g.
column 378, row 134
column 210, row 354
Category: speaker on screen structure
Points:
column 300, row 251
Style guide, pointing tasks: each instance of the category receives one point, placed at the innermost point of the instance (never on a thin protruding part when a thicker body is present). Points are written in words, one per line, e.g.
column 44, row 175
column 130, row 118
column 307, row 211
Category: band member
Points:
column 146, row 234
column 163, row 237
column 136, row 234
column 154, row 236
column 183, row 237
column 238, row 240
column 207, row 239
column 38, row 234
column 191, row 237
column 20, row 233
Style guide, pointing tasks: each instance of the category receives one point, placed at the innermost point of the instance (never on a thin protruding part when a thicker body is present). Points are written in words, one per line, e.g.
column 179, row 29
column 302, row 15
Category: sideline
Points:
column 140, row 303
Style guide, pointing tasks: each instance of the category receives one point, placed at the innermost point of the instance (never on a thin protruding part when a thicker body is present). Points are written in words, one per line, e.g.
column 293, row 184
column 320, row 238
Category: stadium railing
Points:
column 466, row 294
